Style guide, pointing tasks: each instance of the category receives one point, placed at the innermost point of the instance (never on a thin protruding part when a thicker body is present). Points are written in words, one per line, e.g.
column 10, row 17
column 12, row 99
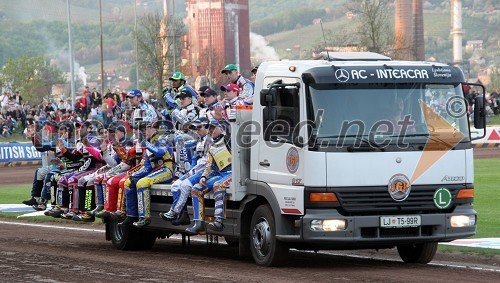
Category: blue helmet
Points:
column 134, row 92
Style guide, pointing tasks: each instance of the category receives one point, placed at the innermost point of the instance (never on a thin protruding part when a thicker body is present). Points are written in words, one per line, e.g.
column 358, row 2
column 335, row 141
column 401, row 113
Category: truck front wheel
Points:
column 266, row 249
column 417, row 253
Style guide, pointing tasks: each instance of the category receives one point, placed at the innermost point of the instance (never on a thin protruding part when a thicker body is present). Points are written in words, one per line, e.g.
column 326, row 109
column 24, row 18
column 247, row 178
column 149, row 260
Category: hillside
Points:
column 436, row 32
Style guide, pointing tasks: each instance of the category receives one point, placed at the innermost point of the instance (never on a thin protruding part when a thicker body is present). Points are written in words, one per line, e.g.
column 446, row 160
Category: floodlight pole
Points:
column 100, row 44
column 71, row 62
column 136, row 48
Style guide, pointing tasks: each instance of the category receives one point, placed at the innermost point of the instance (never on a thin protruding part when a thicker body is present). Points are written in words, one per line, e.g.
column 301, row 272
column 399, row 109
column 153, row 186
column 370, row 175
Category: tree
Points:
column 156, row 49
column 218, row 63
column 342, row 40
column 33, row 76
column 373, row 23
column 494, row 84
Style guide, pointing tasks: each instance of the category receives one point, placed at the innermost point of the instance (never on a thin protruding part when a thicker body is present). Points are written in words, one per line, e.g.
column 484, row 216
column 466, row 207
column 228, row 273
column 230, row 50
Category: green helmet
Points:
column 229, row 68
column 177, row 76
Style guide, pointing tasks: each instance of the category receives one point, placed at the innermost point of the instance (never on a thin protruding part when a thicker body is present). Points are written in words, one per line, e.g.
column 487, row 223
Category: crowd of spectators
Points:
column 17, row 114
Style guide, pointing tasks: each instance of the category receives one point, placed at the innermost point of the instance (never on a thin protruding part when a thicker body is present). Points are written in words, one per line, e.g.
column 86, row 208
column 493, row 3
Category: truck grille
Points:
column 377, row 201
column 376, row 232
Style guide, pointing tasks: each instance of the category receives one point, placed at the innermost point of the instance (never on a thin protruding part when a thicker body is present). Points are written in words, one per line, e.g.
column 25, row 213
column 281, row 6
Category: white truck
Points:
column 356, row 151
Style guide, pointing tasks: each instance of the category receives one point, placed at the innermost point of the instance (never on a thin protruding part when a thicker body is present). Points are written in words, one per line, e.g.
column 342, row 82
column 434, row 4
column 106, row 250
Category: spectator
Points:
column 96, row 97
column 108, row 93
column 49, row 107
column 123, row 97
column 116, row 96
column 254, row 73
column 201, row 98
column 61, row 106
column 110, row 106
column 83, row 106
column 18, row 98
column 11, row 107
column 145, row 95
column 153, row 99
column 4, row 99
column 68, row 106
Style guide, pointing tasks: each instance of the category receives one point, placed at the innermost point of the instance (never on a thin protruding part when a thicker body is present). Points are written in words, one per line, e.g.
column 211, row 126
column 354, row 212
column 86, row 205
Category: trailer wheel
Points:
column 124, row 238
column 266, row 249
column 417, row 253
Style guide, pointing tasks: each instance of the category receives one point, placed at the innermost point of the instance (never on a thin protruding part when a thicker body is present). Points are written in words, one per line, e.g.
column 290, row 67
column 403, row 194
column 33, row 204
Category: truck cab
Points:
column 353, row 152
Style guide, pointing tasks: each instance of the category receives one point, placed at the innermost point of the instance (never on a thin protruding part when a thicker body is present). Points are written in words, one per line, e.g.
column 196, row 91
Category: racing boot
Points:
column 30, row 202
column 37, row 188
column 129, row 220
column 219, row 195
column 41, row 206
column 119, row 214
column 198, row 212
column 131, row 201
column 68, row 215
column 56, row 212
column 96, row 210
column 144, row 202
column 169, row 216
column 103, row 214
column 99, row 197
column 86, row 217
column 198, row 228
column 216, row 225
column 142, row 222
column 182, row 219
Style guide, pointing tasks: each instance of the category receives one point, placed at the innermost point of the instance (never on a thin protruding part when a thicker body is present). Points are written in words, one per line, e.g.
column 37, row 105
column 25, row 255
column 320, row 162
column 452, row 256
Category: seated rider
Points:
column 216, row 177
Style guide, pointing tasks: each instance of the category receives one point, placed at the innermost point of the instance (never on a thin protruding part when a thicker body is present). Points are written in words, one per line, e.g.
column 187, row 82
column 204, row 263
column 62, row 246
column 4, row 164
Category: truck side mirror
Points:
column 479, row 113
column 268, row 97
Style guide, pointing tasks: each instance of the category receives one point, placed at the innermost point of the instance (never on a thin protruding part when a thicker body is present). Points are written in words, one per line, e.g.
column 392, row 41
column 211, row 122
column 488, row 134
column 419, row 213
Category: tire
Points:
column 266, row 249
column 417, row 253
column 232, row 241
column 147, row 240
column 124, row 238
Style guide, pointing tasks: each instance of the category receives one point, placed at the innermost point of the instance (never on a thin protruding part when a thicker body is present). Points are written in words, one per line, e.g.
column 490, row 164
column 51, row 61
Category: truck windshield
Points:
column 379, row 116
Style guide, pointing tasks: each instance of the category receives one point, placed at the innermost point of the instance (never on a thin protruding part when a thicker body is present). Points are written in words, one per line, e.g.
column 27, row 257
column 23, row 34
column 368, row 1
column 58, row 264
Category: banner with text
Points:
column 15, row 151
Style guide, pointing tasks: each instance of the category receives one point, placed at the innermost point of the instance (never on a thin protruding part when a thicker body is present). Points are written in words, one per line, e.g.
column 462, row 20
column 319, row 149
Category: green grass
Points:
column 487, row 199
column 468, row 250
column 18, row 193
column 14, row 193
column 15, row 137
column 494, row 120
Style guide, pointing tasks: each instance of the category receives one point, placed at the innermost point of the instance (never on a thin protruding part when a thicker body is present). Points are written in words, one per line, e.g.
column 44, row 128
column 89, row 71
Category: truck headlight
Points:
column 462, row 220
column 328, row 225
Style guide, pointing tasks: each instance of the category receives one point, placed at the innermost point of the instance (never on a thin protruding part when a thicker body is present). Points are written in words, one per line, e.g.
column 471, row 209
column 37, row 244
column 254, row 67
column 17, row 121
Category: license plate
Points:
column 401, row 221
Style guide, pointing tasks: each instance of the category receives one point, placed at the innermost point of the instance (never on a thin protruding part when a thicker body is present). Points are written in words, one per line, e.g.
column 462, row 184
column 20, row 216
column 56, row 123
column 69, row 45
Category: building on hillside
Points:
column 219, row 34
column 473, row 45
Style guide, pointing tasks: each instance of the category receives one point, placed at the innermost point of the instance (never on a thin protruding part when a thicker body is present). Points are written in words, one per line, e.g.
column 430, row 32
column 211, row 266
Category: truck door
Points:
column 279, row 150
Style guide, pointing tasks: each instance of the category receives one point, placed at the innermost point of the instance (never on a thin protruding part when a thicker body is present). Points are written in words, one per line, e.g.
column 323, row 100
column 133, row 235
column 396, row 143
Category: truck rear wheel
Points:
column 124, row 238
column 266, row 249
column 417, row 253
column 147, row 241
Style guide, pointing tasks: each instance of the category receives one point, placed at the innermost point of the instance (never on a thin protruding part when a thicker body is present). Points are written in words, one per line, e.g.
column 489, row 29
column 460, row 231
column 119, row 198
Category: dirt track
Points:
column 50, row 255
